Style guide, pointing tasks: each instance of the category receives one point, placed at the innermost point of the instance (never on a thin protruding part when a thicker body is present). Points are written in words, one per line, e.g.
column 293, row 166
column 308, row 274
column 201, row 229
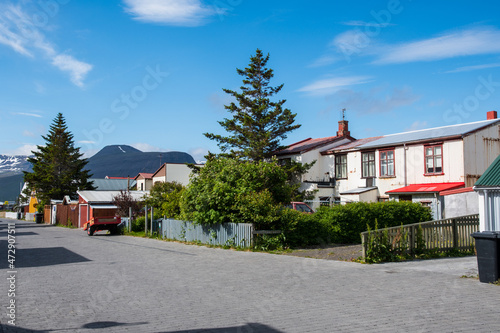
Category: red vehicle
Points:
column 300, row 206
column 102, row 223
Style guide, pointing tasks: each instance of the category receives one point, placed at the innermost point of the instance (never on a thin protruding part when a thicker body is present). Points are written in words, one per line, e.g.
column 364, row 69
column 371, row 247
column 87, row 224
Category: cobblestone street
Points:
column 66, row 281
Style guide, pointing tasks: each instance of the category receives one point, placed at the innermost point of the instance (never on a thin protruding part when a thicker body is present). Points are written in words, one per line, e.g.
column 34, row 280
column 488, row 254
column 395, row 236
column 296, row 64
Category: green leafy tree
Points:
column 58, row 166
column 258, row 125
column 229, row 190
column 166, row 197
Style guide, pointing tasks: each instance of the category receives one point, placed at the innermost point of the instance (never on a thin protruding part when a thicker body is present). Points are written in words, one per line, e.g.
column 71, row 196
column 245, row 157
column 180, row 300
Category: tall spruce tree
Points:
column 58, row 167
column 258, row 124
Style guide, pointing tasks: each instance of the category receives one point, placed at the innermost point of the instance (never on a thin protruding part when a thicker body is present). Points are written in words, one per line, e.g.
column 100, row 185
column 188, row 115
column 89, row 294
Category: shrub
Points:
column 230, row 190
column 346, row 222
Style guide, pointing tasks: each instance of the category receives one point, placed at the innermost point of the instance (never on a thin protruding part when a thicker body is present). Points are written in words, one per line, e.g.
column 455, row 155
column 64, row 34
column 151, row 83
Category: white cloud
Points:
column 324, row 61
column 77, row 69
column 199, row 154
column 331, row 85
column 171, row 12
column 146, row 147
column 367, row 24
column 18, row 32
column 462, row 43
column 25, row 149
column 417, row 125
column 372, row 102
column 28, row 114
column 473, row 68
column 28, row 133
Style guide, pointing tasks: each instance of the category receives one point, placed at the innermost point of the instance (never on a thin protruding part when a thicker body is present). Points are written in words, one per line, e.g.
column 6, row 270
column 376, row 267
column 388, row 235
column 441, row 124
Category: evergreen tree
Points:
column 258, row 124
column 58, row 167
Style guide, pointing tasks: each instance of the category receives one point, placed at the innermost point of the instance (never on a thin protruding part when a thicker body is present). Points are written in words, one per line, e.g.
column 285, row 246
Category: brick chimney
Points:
column 343, row 128
column 491, row 115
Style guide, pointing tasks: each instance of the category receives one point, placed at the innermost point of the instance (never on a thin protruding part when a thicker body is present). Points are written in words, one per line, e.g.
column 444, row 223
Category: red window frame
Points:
column 386, row 151
column 435, row 157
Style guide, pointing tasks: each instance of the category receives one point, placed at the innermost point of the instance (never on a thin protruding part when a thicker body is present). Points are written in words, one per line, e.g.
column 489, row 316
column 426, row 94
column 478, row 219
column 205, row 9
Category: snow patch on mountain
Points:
column 14, row 164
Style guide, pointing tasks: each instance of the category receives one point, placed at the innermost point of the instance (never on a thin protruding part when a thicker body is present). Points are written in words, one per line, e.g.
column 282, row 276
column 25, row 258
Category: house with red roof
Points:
column 412, row 166
column 144, row 181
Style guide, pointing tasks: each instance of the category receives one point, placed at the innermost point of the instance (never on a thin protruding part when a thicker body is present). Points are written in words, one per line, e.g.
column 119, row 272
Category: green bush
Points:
column 138, row 224
column 347, row 222
column 230, row 190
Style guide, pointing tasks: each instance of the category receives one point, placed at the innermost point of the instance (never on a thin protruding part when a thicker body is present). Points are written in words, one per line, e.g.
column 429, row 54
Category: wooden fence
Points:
column 440, row 235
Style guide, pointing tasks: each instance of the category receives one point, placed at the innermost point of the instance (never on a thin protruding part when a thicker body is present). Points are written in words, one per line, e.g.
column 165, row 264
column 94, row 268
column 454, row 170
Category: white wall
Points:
column 460, row 204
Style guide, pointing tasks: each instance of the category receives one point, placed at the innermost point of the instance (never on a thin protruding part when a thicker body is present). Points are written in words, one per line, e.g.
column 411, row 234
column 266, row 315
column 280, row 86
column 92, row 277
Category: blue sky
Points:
column 150, row 73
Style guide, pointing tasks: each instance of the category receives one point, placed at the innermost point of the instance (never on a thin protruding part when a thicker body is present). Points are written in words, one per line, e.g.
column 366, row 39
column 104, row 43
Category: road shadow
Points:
column 38, row 257
column 248, row 328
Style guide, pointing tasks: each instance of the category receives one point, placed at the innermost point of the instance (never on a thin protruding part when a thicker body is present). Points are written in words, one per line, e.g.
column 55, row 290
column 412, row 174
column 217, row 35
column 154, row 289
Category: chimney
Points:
column 343, row 128
column 491, row 115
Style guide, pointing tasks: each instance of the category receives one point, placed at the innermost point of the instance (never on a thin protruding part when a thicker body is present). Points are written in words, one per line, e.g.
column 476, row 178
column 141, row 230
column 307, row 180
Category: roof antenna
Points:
column 343, row 114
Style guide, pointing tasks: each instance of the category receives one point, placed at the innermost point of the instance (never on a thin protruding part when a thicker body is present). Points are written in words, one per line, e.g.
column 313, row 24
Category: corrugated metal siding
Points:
column 492, row 210
column 491, row 176
column 234, row 234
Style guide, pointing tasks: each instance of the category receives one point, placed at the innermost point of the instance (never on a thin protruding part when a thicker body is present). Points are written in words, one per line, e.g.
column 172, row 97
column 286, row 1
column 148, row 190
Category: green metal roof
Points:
column 491, row 177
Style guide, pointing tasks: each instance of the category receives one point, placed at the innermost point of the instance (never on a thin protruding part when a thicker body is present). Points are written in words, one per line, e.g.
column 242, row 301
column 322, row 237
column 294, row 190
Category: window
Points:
column 368, row 165
column 341, row 166
column 387, row 163
column 434, row 159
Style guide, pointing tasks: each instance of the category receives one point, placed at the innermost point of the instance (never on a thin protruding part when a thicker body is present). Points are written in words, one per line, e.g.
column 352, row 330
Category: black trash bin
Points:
column 39, row 217
column 19, row 215
column 488, row 255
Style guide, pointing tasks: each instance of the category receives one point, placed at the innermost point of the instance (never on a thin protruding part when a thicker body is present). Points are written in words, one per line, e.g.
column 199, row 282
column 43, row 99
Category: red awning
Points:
column 427, row 188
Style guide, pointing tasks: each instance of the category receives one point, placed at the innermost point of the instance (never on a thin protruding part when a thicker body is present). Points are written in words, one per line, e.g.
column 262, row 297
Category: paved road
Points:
column 69, row 282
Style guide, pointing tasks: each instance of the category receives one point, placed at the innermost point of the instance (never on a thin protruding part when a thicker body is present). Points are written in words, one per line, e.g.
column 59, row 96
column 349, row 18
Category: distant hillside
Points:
column 10, row 187
column 113, row 161
column 125, row 161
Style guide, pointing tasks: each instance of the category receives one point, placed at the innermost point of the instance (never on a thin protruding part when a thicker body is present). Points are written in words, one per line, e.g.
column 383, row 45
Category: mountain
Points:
column 113, row 161
column 126, row 161
column 13, row 164
column 11, row 176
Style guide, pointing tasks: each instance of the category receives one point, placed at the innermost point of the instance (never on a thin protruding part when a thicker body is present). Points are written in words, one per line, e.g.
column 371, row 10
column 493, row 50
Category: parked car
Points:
column 300, row 206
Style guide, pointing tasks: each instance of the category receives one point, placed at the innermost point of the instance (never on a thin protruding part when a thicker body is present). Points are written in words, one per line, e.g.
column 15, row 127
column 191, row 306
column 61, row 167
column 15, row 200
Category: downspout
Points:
column 405, row 172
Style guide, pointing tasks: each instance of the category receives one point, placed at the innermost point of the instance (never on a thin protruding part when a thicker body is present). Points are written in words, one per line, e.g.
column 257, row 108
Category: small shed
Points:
column 100, row 203
column 488, row 188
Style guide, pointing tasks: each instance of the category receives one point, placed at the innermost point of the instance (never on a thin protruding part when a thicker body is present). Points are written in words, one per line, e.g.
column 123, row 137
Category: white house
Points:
column 172, row 172
column 415, row 165
column 321, row 176
column 488, row 188
column 144, row 181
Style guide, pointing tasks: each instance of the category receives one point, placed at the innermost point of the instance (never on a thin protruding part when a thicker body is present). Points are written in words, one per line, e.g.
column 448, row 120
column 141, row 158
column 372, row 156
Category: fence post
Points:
column 455, row 233
column 363, row 242
column 412, row 241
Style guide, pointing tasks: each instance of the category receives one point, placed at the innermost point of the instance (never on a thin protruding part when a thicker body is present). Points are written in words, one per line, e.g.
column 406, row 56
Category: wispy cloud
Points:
column 331, row 85
column 27, row 114
column 417, row 125
column 18, row 32
column 146, row 147
column 188, row 13
column 77, row 69
column 468, row 42
column 25, row 149
column 473, row 68
column 372, row 102
column 367, row 24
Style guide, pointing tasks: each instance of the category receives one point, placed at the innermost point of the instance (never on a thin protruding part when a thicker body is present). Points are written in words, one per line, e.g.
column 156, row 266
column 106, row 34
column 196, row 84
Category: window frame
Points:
column 369, row 162
column 433, row 146
column 380, row 160
column 340, row 164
